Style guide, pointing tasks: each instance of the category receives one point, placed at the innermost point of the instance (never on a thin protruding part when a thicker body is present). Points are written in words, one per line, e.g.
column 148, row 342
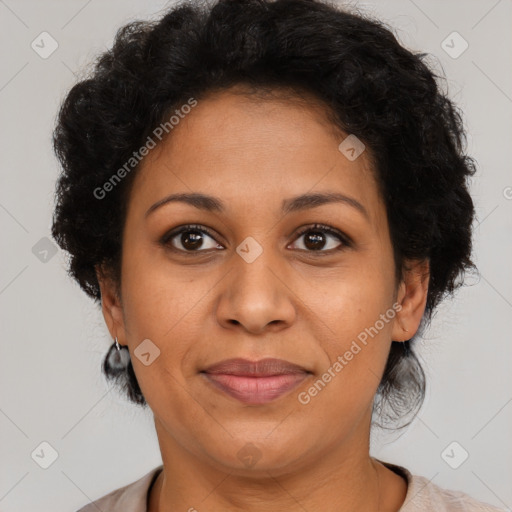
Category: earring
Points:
column 118, row 358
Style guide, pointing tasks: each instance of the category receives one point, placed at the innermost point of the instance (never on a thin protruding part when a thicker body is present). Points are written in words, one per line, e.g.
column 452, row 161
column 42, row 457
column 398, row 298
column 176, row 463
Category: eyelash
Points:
column 346, row 242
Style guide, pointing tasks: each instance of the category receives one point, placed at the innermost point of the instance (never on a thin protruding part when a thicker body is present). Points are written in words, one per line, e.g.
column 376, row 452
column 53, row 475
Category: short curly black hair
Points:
column 374, row 88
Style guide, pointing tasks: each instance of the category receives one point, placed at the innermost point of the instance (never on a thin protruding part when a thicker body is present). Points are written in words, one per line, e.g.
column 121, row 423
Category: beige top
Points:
column 422, row 496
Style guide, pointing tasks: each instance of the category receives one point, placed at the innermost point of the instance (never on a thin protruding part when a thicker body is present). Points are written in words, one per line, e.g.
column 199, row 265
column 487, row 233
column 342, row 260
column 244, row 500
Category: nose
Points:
column 256, row 296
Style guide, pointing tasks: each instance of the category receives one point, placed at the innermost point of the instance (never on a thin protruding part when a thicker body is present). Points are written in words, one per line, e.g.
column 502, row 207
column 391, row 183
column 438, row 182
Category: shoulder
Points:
column 424, row 496
column 130, row 498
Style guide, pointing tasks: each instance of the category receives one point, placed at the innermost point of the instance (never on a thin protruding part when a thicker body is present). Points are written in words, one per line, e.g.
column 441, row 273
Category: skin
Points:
column 290, row 303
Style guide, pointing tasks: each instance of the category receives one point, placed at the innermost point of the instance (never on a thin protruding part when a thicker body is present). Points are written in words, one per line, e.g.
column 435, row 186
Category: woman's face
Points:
column 253, row 287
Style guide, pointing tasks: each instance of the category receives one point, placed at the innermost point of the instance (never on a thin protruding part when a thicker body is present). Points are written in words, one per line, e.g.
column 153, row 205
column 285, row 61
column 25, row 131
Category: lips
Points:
column 255, row 382
column 263, row 368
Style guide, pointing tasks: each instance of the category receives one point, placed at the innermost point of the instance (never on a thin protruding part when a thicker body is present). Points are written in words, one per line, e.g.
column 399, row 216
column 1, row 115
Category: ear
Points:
column 412, row 297
column 111, row 305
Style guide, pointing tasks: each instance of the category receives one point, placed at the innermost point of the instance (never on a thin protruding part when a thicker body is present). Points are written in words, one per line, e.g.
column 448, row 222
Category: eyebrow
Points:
column 302, row 202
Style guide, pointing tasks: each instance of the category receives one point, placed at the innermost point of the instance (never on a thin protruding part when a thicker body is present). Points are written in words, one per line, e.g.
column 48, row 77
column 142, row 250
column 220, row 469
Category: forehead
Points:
column 254, row 150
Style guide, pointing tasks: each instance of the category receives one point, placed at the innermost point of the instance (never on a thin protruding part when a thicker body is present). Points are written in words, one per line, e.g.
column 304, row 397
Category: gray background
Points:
column 53, row 338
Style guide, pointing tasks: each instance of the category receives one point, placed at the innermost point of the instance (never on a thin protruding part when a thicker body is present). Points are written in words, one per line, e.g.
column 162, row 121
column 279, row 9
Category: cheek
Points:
column 157, row 297
column 166, row 307
column 357, row 315
column 345, row 387
column 352, row 302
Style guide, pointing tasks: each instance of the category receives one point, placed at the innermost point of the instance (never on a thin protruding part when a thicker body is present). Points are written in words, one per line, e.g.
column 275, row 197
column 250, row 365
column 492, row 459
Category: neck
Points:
column 347, row 479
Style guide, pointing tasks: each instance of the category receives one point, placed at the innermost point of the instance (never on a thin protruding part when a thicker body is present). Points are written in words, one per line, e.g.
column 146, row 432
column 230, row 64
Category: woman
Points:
column 268, row 200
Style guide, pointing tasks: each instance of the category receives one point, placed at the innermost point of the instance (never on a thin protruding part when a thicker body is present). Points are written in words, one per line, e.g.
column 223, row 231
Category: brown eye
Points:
column 321, row 239
column 190, row 239
column 315, row 240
